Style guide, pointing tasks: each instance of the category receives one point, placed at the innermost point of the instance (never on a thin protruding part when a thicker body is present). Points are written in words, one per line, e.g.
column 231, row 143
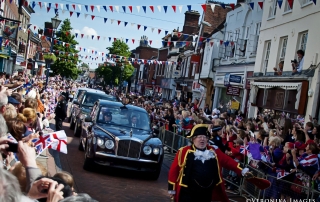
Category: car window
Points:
column 124, row 116
column 90, row 98
column 79, row 93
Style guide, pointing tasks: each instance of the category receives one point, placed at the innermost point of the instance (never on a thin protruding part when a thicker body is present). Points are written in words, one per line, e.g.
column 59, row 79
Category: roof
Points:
column 119, row 104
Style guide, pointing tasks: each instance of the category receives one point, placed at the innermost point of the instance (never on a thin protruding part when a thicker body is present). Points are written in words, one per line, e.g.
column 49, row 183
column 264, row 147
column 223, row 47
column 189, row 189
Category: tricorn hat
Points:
column 199, row 129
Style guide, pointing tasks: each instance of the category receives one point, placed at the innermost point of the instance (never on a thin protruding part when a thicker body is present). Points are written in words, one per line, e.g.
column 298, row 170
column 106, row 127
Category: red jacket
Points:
column 177, row 176
column 235, row 152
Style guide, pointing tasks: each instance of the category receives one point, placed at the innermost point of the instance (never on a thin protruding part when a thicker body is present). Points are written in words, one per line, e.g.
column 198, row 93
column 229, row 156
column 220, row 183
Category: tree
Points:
column 64, row 48
column 112, row 73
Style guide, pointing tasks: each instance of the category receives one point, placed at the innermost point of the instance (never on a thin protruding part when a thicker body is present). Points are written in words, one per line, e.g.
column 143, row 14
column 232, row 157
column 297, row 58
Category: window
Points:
column 247, row 32
column 266, row 58
column 287, row 6
column 273, row 9
column 303, row 41
column 239, row 15
column 258, row 25
column 304, row 2
column 284, row 42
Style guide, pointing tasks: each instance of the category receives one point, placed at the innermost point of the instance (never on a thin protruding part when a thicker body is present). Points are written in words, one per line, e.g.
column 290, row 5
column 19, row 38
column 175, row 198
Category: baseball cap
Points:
column 13, row 101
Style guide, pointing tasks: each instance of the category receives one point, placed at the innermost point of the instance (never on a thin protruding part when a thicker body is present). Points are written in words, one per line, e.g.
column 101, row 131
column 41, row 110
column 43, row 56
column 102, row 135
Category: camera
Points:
column 294, row 61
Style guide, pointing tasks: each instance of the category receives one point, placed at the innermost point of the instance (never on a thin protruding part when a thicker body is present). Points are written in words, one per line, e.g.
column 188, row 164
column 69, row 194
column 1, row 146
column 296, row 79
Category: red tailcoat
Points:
column 177, row 174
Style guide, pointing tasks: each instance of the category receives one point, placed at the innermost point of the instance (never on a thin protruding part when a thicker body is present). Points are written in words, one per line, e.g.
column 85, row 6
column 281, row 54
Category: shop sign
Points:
column 5, row 51
column 195, row 59
column 235, row 79
column 234, row 91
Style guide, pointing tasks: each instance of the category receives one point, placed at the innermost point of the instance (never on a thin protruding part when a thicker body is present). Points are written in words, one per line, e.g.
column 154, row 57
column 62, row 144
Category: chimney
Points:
column 144, row 41
column 191, row 22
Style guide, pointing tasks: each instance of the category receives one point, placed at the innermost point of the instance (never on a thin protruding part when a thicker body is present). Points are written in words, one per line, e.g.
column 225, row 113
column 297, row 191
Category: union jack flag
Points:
column 42, row 143
column 12, row 139
column 238, row 119
column 281, row 173
column 310, row 160
column 244, row 149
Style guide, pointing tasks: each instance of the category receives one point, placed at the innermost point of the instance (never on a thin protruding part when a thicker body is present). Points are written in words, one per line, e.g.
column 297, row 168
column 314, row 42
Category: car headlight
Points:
column 94, row 140
column 147, row 150
column 100, row 143
column 156, row 151
column 109, row 144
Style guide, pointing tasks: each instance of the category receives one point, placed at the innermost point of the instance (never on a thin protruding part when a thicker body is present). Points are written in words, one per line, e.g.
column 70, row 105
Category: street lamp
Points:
column 55, row 24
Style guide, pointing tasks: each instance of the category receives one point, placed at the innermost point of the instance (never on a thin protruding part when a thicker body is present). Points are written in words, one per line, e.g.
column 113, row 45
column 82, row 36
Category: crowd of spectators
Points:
column 26, row 111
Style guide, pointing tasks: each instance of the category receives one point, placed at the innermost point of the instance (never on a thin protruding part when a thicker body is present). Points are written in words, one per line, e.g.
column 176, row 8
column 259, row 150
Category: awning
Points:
column 266, row 85
column 4, row 56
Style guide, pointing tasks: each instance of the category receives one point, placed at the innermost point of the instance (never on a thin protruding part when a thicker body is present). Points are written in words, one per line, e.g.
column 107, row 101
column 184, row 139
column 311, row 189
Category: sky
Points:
column 81, row 25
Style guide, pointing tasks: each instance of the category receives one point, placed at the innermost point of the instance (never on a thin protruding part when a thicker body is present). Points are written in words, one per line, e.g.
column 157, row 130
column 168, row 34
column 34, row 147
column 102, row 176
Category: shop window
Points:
column 266, row 57
column 283, row 50
column 303, row 38
column 305, row 2
column 273, row 9
column 287, row 7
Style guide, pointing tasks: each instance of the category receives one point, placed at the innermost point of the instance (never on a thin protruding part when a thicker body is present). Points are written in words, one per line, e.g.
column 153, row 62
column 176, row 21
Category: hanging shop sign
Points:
column 5, row 51
column 234, row 91
column 196, row 87
column 235, row 78
column 195, row 59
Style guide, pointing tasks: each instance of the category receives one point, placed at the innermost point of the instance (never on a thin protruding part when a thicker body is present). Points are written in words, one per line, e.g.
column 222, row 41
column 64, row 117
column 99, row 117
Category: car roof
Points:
column 102, row 94
column 119, row 104
column 90, row 90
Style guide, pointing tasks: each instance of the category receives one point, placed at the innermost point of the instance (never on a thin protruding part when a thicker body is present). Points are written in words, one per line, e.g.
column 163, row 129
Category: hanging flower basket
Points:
column 49, row 58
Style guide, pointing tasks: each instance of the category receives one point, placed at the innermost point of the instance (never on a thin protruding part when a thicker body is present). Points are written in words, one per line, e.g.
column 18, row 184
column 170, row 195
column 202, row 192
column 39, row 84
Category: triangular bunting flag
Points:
column 71, row 13
column 40, row 4
column 86, row 6
column 204, row 7
column 48, row 9
column 150, row 41
column 76, row 34
column 211, row 43
column 232, row 6
column 152, row 29
column 119, row 22
column 290, row 2
column 223, row 6
column 85, row 16
column 180, row 8
column 159, row 8
column 124, row 8
column 132, row 40
column 82, row 35
column 127, row 40
column 111, row 8
column 260, row 4
column 92, row 36
column 138, row 8
column 145, row 28
column 125, row 24
column 174, row 8
column 74, row 6
column 165, row 8
column 159, row 31
column 105, row 20
column 144, row 9
column 165, row 32
column 105, row 8
column 112, row 20
column 92, row 8
column 189, row 7
column 151, row 8
column 78, row 14
column 139, row 27
column 109, row 39
column 251, row 4
column 92, row 17
column 56, row 10
column 280, row 3
column 98, row 8
column 114, row 39
column 315, row 2
column 130, row 8
column 117, row 8
column 79, row 6
column 61, row 6
column 67, row 6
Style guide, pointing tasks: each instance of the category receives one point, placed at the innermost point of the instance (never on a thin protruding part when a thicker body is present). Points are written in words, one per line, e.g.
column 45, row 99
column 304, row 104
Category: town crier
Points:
column 196, row 172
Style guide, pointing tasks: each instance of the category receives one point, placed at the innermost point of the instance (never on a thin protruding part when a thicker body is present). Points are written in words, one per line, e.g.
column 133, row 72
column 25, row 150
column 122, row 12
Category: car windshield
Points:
column 124, row 117
column 89, row 99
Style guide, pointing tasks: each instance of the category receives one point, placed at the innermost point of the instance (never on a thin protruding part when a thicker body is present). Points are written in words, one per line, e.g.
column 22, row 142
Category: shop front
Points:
column 168, row 88
column 278, row 97
column 229, row 88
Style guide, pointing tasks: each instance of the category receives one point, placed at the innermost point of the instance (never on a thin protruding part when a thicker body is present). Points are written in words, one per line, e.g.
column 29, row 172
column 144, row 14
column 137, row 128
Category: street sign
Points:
column 234, row 91
column 235, row 79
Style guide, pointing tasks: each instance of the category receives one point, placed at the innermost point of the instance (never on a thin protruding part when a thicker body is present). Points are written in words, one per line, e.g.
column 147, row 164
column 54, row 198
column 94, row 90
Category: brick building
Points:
column 144, row 77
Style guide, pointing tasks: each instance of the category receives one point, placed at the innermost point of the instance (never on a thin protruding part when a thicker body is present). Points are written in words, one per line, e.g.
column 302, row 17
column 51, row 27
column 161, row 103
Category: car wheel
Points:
column 155, row 174
column 76, row 130
column 71, row 124
column 80, row 145
column 88, row 164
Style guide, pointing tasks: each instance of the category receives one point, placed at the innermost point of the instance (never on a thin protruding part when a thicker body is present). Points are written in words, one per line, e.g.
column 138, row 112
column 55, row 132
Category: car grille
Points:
column 129, row 148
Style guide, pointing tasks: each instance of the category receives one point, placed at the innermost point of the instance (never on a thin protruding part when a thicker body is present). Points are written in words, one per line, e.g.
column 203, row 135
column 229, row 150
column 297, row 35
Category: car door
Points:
column 77, row 105
column 86, row 125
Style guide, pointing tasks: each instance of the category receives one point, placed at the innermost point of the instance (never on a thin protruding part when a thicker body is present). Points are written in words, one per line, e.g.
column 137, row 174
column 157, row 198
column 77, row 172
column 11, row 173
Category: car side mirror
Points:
column 76, row 102
column 88, row 119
